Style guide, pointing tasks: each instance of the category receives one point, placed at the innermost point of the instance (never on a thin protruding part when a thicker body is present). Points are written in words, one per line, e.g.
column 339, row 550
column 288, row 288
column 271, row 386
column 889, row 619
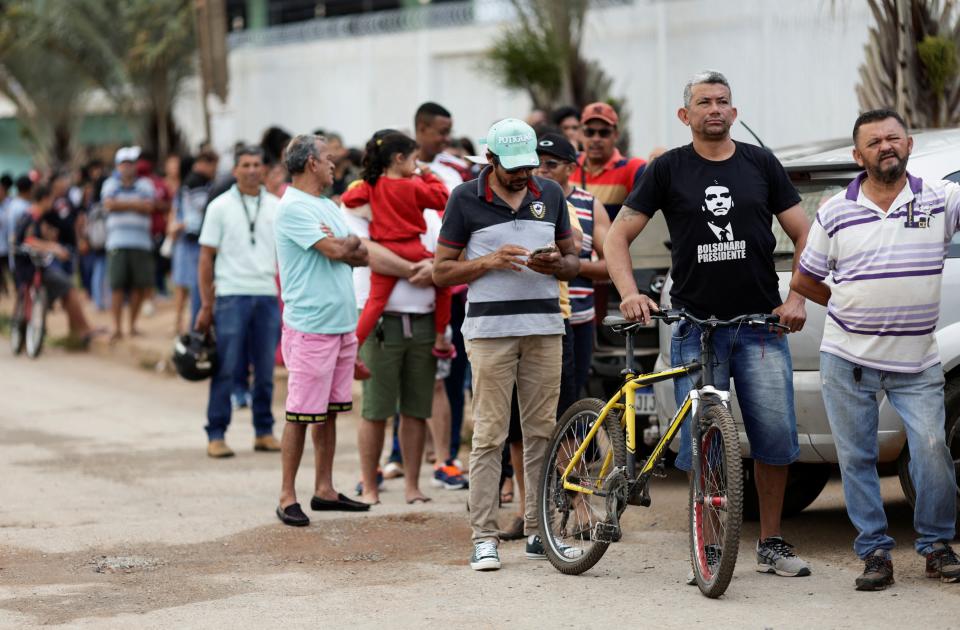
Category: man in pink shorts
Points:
column 315, row 253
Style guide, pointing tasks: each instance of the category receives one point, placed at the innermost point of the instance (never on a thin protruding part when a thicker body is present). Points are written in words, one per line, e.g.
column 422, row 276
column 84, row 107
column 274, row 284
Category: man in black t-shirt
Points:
column 719, row 198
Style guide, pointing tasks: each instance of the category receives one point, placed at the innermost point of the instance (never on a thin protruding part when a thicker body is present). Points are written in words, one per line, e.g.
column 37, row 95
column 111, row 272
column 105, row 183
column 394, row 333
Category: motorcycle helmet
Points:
column 195, row 356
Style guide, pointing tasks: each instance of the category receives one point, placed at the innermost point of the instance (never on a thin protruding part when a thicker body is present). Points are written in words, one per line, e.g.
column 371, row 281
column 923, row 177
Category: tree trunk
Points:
column 904, row 41
column 161, row 108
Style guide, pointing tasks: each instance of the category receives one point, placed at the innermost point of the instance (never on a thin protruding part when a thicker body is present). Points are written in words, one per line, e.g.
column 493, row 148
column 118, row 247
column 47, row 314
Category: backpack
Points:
column 97, row 226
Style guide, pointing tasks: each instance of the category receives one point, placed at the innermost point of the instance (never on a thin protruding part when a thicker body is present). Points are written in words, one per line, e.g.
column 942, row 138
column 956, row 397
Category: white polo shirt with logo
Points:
column 885, row 270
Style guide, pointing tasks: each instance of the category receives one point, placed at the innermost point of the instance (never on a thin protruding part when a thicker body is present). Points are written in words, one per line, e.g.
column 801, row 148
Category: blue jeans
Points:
column 99, row 283
column 238, row 318
column 853, row 412
column 455, row 383
column 759, row 362
column 582, row 354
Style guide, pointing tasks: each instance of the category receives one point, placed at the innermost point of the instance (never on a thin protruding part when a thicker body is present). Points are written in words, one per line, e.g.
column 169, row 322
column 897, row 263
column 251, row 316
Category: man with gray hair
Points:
column 315, row 254
column 723, row 266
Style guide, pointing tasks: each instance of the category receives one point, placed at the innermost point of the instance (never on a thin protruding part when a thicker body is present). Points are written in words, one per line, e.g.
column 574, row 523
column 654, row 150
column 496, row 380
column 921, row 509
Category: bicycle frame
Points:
column 628, row 394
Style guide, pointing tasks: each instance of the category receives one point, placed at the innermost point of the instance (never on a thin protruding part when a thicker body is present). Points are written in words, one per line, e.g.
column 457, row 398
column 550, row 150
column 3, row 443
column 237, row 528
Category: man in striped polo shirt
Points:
column 558, row 159
column 513, row 232
column 882, row 242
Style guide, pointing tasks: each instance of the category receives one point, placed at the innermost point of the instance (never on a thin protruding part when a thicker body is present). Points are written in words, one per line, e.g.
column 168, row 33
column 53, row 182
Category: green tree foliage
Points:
column 138, row 52
column 541, row 54
column 911, row 61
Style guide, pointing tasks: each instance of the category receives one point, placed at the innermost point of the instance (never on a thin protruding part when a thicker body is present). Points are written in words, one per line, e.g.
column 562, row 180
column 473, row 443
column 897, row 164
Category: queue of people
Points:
column 415, row 267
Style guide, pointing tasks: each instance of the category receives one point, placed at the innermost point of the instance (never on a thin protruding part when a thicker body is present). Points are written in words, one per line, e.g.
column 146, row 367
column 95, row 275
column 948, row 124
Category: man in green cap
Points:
column 507, row 236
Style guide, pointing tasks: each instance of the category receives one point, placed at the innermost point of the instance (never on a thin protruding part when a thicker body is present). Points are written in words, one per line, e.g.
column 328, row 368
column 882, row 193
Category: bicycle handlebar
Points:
column 669, row 316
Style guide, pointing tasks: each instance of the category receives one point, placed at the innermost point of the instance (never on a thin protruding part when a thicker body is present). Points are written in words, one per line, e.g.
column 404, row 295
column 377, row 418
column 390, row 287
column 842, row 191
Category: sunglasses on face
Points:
column 590, row 132
column 549, row 165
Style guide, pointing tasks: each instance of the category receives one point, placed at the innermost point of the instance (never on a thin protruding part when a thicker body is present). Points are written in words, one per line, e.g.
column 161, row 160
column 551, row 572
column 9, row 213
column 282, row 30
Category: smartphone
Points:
column 547, row 249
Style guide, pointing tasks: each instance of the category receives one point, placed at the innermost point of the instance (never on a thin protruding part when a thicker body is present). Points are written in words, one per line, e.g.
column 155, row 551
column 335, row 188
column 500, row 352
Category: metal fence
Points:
column 428, row 16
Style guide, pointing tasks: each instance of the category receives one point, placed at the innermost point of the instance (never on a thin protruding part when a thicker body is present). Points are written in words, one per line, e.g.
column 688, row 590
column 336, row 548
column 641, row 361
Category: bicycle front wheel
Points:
column 567, row 517
column 716, row 502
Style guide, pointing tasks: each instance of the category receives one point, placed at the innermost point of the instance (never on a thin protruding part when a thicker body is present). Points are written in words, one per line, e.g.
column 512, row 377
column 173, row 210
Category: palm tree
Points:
column 138, row 52
column 541, row 54
column 921, row 80
column 47, row 90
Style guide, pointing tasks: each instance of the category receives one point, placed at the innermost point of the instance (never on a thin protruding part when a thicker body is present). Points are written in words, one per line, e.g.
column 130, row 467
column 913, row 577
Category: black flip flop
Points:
column 343, row 503
column 293, row 515
column 416, row 500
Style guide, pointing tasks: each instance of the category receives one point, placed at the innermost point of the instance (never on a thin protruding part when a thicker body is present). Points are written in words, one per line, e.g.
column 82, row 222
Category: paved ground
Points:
column 111, row 516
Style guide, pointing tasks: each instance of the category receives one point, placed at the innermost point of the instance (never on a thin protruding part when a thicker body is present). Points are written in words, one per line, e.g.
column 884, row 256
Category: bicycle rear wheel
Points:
column 18, row 323
column 567, row 517
column 716, row 502
column 36, row 328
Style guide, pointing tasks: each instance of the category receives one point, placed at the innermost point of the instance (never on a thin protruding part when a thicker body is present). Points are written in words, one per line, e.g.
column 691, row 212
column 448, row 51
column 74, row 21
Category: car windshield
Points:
column 812, row 196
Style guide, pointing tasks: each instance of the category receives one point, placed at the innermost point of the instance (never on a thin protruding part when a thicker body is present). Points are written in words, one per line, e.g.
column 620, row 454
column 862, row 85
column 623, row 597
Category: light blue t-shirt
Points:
column 128, row 230
column 317, row 292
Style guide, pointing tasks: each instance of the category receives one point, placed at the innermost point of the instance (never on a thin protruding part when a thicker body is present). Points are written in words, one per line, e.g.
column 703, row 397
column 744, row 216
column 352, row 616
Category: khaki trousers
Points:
column 533, row 363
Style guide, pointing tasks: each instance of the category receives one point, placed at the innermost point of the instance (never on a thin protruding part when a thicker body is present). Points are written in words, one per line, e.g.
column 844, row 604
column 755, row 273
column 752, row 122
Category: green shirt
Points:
column 317, row 292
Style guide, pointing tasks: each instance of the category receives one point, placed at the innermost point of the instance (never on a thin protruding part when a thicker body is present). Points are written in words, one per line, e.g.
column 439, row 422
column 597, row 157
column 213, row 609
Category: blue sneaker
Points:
column 485, row 556
column 359, row 487
column 449, row 477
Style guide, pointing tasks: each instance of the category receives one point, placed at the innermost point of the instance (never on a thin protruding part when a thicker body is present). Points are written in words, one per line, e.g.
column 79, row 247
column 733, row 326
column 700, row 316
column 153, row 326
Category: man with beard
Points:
column 513, row 232
column 882, row 241
column 714, row 275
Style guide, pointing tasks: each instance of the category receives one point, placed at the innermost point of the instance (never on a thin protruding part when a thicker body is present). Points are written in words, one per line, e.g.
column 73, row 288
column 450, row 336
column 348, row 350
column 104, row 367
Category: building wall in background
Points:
column 793, row 68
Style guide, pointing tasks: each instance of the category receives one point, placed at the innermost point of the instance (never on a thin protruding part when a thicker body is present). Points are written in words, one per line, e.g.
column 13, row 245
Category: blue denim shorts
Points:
column 759, row 362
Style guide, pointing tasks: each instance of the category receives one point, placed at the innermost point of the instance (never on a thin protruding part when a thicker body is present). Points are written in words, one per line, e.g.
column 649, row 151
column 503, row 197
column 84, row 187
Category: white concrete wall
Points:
column 792, row 63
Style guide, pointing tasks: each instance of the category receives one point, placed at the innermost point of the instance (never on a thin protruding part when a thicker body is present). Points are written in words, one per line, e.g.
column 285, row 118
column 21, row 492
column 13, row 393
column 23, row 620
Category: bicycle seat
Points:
column 614, row 320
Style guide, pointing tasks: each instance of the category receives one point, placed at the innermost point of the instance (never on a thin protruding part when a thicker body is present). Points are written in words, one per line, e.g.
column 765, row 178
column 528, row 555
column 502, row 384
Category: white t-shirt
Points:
column 405, row 297
column 244, row 265
column 446, row 173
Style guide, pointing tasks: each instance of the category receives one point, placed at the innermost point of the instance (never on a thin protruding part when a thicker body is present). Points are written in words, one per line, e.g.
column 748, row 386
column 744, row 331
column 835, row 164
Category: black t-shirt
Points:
column 719, row 215
column 67, row 214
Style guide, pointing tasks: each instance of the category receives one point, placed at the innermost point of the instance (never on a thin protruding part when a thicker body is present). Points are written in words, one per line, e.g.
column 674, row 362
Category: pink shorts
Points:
column 320, row 380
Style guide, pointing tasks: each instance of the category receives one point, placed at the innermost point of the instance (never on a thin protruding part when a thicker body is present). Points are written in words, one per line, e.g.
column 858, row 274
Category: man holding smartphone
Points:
column 513, row 327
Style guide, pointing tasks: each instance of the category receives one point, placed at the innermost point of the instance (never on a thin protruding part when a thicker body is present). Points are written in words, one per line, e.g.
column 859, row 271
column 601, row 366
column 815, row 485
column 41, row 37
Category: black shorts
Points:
column 57, row 283
column 130, row 269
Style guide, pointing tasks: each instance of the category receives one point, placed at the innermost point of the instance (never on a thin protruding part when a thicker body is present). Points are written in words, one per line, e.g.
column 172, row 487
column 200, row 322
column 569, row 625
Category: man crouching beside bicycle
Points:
column 36, row 243
column 719, row 197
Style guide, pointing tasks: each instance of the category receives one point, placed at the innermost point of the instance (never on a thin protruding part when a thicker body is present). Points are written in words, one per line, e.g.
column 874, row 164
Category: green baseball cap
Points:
column 514, row 142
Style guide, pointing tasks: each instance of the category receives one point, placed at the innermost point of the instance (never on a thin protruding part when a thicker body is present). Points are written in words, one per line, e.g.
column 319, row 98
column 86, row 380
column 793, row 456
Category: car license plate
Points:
column 645, row 403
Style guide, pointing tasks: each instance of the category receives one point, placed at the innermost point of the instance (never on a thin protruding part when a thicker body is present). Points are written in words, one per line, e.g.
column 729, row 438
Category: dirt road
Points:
column 112, row 516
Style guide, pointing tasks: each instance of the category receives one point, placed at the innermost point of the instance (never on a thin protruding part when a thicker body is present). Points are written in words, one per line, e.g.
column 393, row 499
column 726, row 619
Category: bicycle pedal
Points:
column 606, row 532
column 639, row 496
column 660, row 469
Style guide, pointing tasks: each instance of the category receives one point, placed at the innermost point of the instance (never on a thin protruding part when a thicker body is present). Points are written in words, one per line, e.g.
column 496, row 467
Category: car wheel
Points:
column 951, row 403
column 805, row 482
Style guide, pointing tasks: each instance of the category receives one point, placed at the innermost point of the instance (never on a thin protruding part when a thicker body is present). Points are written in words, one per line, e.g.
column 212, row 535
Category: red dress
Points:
column 397, row 206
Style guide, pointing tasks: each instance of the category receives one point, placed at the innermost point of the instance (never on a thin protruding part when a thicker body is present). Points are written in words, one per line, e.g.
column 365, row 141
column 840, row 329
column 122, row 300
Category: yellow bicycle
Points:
column 591, row 472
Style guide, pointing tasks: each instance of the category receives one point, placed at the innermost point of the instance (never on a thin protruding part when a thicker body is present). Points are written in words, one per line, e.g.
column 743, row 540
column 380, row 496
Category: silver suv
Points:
column 819, row 171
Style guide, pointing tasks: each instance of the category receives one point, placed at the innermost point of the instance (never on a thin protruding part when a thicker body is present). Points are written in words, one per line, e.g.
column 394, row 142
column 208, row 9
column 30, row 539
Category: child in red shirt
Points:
column 398, row 193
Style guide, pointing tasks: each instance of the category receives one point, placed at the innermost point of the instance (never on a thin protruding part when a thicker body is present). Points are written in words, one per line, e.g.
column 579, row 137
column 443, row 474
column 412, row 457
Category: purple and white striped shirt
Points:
column 885, row 272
